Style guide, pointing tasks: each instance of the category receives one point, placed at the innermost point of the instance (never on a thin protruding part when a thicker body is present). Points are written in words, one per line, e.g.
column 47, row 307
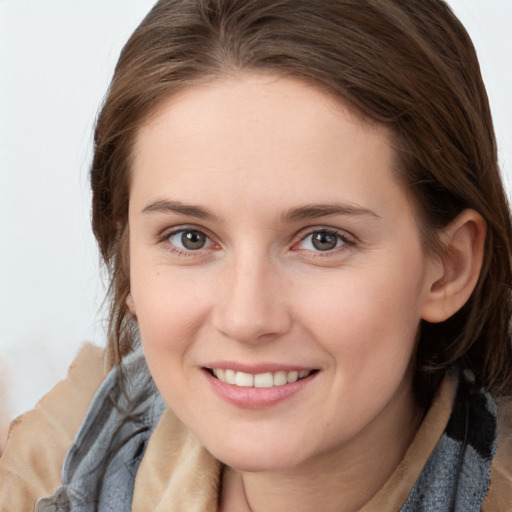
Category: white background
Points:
column 56, row 60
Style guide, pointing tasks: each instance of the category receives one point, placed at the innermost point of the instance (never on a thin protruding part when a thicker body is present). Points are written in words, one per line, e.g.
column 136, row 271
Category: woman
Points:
column 301, row 210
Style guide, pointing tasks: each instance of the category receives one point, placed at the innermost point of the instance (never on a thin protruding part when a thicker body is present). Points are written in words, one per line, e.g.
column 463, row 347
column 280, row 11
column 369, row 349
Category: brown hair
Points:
column 409, row 64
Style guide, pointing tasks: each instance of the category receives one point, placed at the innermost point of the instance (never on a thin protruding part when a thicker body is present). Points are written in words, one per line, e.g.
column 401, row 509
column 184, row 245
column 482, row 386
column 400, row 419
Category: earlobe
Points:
column 463, row 240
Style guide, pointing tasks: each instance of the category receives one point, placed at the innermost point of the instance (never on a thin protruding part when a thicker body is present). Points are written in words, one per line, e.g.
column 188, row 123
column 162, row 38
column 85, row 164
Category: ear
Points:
column 460, row 264
column 131, row 306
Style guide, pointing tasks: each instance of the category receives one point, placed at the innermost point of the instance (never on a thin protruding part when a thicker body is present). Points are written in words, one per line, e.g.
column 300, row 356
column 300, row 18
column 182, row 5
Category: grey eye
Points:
column 193, row 240
column 322, row 241
column 189, row 239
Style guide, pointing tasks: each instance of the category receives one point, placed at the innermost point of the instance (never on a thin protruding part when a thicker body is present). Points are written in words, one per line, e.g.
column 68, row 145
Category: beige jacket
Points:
column 176, row 473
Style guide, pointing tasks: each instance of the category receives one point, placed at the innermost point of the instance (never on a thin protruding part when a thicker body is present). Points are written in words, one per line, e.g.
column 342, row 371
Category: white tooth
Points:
column 243, row 379
column 229, row 376
column 263, row 380
column 303, row 373
column 220, row 374
column 292, row 376
column 215, row 372
column 280, row 378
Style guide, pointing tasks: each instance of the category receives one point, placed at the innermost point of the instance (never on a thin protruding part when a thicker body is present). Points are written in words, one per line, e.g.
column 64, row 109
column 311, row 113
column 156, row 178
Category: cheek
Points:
column 369, row 319
column 171, row 310
column 369, row 332
column 170, row 314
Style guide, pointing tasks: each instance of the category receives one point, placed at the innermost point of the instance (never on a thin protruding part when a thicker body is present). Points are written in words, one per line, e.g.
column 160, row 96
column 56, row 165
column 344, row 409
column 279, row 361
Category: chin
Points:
column 258, row 457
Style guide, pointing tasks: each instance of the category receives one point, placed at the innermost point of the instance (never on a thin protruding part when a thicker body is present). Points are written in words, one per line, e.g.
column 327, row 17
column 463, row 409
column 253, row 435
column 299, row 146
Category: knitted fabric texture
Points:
column 456, row 477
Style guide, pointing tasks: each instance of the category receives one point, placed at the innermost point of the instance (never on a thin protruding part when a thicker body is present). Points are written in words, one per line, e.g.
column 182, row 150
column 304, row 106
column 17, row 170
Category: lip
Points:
column 252, row 397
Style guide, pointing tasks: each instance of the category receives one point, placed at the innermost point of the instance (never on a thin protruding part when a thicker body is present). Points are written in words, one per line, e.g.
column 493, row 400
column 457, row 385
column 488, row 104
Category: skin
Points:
column 250, row 149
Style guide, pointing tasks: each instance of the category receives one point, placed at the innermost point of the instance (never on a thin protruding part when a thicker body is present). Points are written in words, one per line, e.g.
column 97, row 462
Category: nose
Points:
column 252, row 305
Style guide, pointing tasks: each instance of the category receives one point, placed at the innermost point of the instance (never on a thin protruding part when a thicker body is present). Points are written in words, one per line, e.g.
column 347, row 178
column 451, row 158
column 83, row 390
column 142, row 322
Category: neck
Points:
column 342, row 480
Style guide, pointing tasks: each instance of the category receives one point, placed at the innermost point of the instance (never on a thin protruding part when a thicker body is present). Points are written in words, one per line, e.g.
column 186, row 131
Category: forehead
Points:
column 261, row 134
column 247, row 97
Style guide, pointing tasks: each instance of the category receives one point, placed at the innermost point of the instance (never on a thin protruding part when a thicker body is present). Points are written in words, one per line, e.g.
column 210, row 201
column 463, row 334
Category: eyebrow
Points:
column 313, row 211
column 164, row 206
column 310, row 211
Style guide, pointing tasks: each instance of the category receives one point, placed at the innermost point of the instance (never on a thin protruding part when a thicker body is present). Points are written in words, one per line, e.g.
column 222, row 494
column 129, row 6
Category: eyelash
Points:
column 164, row 238
column 346, row 239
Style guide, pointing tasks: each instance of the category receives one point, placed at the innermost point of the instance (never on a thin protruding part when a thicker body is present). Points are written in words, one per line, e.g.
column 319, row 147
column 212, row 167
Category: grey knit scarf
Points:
column 99, row 470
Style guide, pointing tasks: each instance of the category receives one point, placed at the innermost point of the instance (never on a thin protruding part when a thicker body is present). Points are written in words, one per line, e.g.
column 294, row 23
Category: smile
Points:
column 260, row 380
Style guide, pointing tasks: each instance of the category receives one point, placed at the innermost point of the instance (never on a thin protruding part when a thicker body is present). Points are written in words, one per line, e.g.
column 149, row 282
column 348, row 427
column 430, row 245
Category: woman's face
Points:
column 272, row 245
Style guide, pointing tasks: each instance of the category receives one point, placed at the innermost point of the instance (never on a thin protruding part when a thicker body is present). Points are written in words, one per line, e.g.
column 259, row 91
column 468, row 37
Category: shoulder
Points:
column 39, row 440
column 499, row 498
column 101, row 464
